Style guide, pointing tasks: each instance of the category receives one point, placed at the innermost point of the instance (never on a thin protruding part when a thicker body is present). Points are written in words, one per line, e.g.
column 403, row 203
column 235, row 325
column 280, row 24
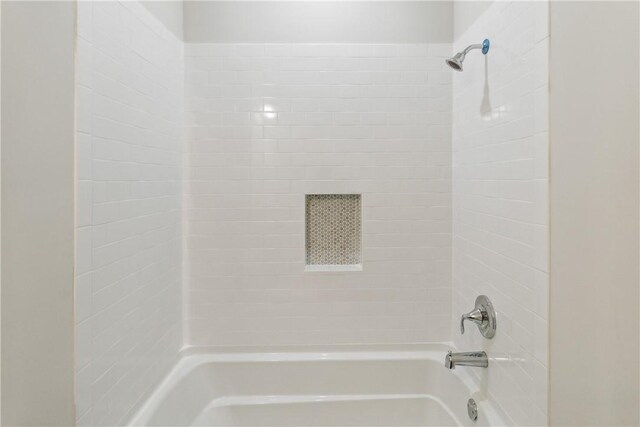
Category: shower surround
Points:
column 194, row 159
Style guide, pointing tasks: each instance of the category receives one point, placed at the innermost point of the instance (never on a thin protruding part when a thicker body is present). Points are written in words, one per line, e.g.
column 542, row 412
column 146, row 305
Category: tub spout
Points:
column 477, row 359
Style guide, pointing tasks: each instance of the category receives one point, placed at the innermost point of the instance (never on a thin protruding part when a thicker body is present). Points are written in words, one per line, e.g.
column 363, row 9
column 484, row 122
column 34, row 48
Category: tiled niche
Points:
column 333, row 232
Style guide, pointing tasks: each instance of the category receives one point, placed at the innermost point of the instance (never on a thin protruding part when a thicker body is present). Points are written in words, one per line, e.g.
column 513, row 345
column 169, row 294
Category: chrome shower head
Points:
column 456, row 61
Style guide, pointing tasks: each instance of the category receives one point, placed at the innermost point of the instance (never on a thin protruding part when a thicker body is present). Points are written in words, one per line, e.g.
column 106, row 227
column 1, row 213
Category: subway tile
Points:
column 325, row 99
column 128, row 208
column 500, row 209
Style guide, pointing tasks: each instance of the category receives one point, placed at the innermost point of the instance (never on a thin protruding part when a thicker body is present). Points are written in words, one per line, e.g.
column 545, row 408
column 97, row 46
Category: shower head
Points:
column 456, row 61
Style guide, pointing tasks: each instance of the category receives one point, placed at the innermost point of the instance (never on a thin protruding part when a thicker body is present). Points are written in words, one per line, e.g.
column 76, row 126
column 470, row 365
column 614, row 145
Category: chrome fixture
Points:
column 477, row 359
column 483, row 315
column 458, row 58
column 472, row 409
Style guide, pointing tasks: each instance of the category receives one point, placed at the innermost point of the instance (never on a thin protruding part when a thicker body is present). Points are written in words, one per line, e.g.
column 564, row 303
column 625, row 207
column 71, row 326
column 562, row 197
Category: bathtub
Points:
column 339, row 386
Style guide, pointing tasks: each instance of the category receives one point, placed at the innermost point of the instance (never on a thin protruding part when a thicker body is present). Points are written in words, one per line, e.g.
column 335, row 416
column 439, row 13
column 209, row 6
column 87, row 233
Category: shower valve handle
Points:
column 476, row 316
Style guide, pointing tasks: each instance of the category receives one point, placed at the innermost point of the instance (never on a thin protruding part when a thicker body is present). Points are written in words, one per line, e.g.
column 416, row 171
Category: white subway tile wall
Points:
column 129, row 221
column 500, row 220
column 269, row 123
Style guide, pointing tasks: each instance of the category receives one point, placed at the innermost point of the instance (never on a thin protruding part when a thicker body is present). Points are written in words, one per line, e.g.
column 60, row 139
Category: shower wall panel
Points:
column 500, row 205
column 129, row 89
column 268, row 124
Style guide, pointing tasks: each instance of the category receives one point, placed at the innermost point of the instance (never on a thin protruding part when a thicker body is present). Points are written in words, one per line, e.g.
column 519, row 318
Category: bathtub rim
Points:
column 190, row 357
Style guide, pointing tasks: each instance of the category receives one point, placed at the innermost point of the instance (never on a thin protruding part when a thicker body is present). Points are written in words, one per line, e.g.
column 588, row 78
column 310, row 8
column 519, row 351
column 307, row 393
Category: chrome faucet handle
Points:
column 476, row 315
column 482, row 315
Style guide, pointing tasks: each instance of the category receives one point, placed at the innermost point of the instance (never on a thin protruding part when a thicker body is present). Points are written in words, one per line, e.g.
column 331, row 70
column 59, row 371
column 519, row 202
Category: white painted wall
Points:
column 0, row 213
column 269, row 123
column 500, row 181
column 318, row 21
column 129, row 89
column 466, row 13
column 37, row 213
column 594, row 317
column 169, row 12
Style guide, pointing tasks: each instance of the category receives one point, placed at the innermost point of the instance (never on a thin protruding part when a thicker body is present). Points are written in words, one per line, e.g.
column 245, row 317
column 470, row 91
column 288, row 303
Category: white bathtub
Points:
column 400, row 387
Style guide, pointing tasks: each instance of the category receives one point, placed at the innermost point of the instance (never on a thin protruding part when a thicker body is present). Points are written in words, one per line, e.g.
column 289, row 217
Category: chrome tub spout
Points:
column 477, row 359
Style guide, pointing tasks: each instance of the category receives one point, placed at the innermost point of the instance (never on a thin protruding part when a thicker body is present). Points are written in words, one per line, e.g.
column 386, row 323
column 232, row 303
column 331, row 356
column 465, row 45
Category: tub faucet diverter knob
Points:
column 482, row 315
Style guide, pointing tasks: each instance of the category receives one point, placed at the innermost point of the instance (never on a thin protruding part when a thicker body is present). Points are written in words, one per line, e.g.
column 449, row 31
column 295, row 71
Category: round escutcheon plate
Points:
column 487, row 328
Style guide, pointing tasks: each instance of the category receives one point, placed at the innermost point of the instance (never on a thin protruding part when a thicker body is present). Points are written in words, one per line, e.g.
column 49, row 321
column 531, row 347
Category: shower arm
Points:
column 472, row 47
column 484, row 46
